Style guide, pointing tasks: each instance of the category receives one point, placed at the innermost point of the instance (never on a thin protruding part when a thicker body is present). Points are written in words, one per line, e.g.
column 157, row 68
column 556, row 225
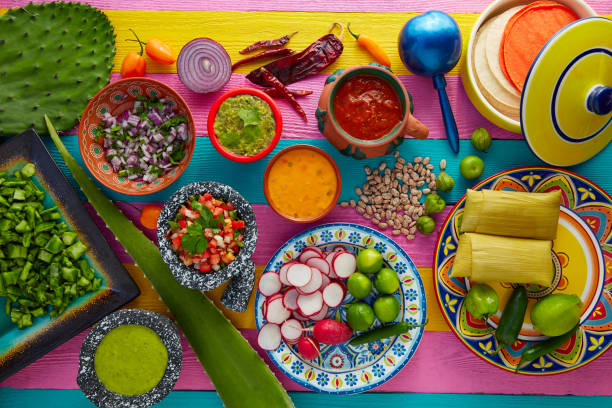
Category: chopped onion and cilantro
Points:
column 42, row 268
column 206, row 233
column 146, row 142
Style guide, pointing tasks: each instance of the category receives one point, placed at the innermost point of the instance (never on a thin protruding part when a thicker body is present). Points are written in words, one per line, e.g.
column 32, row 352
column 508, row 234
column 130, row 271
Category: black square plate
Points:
column 19, row 348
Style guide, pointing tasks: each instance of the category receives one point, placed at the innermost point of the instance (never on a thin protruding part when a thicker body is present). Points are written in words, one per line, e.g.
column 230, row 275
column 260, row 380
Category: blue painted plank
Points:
column 208, row 164
column 29, row 398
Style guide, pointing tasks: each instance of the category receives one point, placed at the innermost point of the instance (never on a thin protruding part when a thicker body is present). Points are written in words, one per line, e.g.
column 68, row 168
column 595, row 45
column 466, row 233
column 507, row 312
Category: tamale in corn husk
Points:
column 503, row 259
column 512, row 213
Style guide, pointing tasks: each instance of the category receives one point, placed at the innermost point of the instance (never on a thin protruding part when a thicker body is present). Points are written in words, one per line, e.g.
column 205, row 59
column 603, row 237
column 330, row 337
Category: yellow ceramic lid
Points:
column 566, row 106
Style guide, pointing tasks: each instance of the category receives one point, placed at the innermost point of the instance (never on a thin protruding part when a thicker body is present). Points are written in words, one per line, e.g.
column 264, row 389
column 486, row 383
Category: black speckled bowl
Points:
column 241, row 271
column 88, row 380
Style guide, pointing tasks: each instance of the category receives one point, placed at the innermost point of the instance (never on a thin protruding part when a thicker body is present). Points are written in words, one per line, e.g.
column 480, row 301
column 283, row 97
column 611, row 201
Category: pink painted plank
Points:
column 466, row 6
column 427, row 108
column 274, row 231
column 441, row 364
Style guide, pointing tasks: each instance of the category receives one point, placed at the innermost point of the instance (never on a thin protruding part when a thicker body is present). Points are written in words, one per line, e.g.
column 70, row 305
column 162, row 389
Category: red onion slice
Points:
column 203, row 65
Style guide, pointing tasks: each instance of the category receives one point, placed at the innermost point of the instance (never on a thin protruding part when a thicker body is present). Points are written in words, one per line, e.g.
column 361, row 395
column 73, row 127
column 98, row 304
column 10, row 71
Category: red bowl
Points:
column 213, row 136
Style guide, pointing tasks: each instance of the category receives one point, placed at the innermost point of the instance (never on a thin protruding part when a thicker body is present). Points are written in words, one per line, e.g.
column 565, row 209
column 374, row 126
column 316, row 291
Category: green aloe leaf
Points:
column 238, row 373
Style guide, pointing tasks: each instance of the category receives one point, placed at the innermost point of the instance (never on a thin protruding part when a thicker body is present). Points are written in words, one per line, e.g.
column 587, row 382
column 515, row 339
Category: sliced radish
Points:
column 326, row 281
column 299, row 274
column 333, row 294
column 277, row 313
column 309, row 304
column 290, row 299
column 329, row 257
column 339, row 248
column 264, row 308
column 291, row 330
column 315, row 283
column 269, row 284
column 297, row 315
column 314, row 248
column 282, row 273
column 319, row 263
column 344, row 264
column 269, row 337
column 310, row 252
column 321, row 315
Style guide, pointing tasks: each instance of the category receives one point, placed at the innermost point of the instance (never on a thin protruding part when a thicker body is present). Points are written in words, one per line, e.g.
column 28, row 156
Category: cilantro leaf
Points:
column 196, row 205
column 172, row 122
column 194, row 244
column 230, row 139
column 194, row 230
column 251, row 133
column 173, row 225
column 206, row 216
column 249, row 116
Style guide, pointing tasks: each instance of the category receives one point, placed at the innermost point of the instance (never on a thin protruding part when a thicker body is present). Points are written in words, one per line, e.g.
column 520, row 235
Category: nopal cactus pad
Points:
column 53, row 58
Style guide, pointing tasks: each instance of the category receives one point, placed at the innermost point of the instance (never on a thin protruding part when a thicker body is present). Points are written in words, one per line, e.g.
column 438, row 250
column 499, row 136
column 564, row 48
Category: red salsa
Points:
column 367, row 107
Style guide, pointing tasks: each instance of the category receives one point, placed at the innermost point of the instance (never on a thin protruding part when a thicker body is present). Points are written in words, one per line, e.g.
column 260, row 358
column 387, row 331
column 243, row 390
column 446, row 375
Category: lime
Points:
column 471, row 167
column 387, row 308
column 359, row 285
column 481, row 301
column 556, row 314
column 386, row 281
column 360, row 316
column 369, row 261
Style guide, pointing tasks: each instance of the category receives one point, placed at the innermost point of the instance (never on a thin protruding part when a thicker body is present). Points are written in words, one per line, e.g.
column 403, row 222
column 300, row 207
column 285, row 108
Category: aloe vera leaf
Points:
column 239, row 375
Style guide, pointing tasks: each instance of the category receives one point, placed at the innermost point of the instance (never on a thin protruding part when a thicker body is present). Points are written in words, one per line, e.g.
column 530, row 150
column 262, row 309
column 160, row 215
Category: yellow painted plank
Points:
column 149, row 299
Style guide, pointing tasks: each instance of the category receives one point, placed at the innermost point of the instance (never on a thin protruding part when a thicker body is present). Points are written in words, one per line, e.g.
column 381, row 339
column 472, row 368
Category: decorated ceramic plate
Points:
column 342, row 368
column 581, row 256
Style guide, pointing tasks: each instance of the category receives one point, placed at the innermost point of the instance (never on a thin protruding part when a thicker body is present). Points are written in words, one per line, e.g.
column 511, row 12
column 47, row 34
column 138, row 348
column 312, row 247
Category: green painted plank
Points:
column 31, row 398
column 208, row 164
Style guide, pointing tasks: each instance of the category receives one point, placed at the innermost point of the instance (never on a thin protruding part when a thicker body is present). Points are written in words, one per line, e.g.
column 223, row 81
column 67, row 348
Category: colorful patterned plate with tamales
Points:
column 582, row 258
column 342, row 368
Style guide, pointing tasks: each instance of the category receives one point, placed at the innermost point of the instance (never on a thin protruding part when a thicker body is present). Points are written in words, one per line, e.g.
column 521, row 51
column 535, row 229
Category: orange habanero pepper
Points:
column 134, row 64
column 158, row 50
column 372, row 47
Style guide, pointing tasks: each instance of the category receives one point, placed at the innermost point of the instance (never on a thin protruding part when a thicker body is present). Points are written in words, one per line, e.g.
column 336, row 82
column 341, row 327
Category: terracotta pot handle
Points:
column 416, row 128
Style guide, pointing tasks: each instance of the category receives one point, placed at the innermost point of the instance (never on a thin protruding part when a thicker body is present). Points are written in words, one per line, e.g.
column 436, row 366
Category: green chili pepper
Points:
column 541, row 348
column 512, row 318
column 434, row 204
column 384, row 332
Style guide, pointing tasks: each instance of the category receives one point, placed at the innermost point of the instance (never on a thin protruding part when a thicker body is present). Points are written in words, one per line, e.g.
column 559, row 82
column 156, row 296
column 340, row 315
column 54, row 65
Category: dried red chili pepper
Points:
column 316, row 57
column 282, row 89
column 279, row 52
column 279, row 42
column 273, row 93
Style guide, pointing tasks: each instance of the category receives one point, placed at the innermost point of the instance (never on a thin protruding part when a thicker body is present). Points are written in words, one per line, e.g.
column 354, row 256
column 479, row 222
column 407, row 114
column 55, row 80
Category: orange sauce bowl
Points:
column 297, row 166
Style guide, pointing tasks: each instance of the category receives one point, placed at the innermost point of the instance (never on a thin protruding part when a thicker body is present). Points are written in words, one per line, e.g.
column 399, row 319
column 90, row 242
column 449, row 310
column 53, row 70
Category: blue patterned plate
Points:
column 345, row 369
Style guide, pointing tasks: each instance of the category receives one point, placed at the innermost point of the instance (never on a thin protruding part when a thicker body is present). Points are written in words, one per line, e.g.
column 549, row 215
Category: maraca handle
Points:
column 599, row 100
column 452, row 134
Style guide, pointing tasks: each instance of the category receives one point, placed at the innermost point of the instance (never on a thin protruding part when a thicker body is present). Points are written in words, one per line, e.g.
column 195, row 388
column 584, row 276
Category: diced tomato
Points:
column 182, row 224
column 215, row 259
column 234, row 247
column 217, row 211
column 207, row 196
column 176, row 242
column 228, row 258
column 212, row 250
column 237, row 224
column 212, row 243
column 209, row 205
column 230, row 206
column 205, row 267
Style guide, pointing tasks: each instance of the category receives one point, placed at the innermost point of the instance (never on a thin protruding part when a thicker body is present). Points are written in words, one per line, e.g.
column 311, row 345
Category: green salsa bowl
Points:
column 246, row 125
column 132, row 358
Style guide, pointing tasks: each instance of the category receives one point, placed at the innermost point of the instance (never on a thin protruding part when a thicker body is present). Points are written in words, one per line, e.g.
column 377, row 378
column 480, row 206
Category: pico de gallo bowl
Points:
column 207, row 234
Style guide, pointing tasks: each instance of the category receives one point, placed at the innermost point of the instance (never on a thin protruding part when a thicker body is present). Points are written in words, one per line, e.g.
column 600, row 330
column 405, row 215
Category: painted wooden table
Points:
column 442, row 372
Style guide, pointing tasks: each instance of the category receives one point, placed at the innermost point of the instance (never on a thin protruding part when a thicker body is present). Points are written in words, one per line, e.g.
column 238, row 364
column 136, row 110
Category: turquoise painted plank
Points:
column 208, row 164
column 24, row 398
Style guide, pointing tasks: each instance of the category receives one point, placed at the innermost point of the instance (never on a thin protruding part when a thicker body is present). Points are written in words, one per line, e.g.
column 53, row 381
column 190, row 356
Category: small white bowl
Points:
column 467, row 75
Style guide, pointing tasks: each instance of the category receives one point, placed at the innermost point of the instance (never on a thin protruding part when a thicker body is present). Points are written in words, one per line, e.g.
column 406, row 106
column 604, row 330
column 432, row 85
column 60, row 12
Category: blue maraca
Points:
column 430, row 45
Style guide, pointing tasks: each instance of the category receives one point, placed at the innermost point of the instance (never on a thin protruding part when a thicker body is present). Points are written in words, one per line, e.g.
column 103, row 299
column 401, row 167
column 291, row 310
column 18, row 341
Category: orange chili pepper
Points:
column 372, row 47
column 134, row 64
column 158, row 50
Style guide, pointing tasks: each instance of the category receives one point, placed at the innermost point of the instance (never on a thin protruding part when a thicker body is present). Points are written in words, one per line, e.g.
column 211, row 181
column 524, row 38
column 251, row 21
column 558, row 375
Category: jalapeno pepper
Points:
column 541, row 348
column 384, row 332
column 512, row 318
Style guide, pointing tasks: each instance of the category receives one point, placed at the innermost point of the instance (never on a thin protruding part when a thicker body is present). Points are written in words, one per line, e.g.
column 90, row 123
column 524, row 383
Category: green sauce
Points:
column 131, row 359
column 245, row 124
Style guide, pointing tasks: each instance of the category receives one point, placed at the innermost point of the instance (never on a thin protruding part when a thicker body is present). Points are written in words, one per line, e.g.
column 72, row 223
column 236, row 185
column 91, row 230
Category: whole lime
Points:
column 360, row 316
column 556, row 314
column 359, row 285
column 369, row 261
column 386, row 281
column 471, row 167
column 481, row 301
column 386, row 308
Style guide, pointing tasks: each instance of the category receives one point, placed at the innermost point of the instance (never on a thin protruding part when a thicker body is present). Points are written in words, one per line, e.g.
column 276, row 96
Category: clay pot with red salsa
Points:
column 365, row 111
